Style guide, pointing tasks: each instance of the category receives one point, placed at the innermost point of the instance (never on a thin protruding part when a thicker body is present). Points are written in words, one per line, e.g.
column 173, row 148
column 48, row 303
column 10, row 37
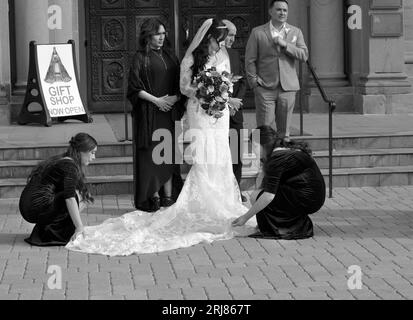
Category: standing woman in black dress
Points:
column 155, row 96
column 56, row 193
column 292, row 189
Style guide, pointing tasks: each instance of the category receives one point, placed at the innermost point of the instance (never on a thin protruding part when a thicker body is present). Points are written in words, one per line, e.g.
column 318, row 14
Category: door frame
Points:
column 82, row 48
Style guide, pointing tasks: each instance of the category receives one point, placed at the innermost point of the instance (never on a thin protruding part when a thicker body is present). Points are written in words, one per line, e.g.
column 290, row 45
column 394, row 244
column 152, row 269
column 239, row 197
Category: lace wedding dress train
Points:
column 210, row 199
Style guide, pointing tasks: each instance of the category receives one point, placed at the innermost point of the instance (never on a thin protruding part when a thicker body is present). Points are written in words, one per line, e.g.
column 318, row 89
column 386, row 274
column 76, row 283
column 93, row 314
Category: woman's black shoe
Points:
column 167, row 202
column 144, row 206
column 155, row 204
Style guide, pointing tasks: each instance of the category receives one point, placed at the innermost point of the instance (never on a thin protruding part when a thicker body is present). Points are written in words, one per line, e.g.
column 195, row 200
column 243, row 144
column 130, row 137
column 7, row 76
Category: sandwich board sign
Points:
column 53, row 85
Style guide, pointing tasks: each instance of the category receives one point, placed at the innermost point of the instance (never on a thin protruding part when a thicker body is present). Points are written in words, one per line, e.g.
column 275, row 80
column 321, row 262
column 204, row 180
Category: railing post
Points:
column 301, row 98
column 332, row 107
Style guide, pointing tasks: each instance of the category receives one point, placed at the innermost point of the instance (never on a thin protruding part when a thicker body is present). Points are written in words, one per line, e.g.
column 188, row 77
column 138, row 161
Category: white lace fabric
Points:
column 210, row 199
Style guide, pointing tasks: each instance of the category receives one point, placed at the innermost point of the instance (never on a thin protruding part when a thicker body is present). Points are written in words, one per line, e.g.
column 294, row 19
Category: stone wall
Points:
column 4, row 64
column 408, row 32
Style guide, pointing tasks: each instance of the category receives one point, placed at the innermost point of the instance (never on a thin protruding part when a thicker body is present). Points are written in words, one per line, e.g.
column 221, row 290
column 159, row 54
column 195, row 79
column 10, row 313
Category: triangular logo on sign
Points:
column 57, row 71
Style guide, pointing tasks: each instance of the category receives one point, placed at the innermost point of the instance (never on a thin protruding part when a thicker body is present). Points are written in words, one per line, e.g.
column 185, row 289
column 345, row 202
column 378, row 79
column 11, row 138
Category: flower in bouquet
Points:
column 214, row 91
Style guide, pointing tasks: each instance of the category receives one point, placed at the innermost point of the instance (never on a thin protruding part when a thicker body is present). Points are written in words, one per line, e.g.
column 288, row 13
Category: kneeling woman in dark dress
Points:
column 292, row 189
column 56, row 193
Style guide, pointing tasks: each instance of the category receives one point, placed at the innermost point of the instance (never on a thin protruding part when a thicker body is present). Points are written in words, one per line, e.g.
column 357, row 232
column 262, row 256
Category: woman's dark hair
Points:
column 217, row 31
column 149, row 28
column 269, row 140
column 82, row 142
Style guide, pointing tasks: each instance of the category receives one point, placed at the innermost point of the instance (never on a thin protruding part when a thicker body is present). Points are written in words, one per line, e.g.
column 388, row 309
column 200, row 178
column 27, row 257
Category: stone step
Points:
column 367, row 158
column 119, row 166
column 362, row 177
column 366, row 142
column 41, row 152
column 371, row 177
column 388, row 141
column 101, row 167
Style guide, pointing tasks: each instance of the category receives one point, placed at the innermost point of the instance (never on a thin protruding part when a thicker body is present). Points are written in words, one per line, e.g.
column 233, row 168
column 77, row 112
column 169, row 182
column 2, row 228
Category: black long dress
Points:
column 299, row 188
column 237, row 120
column 43, row 202
column 158, row 74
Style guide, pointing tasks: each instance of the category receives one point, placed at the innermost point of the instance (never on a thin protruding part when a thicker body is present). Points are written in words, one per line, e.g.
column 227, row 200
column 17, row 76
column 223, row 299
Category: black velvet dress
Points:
column 158, row 74
column 43, row 202
column 299, row 188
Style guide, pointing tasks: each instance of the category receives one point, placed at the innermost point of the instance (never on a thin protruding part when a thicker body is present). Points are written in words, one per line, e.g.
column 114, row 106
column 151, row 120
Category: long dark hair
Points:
column 82, row 142
column 149, row 28
column 217, row 31
column 270, row 140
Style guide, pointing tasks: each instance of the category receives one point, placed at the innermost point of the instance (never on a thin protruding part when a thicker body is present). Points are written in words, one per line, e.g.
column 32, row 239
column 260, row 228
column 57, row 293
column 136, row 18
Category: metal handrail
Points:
column 331, row 109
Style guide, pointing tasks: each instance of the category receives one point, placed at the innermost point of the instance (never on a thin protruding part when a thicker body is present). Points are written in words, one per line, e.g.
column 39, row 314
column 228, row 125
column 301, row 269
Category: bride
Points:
column 210, row 199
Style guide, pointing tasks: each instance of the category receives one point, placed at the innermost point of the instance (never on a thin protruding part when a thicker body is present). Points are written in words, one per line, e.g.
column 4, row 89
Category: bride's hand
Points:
column 235, row 103
column 241, row 221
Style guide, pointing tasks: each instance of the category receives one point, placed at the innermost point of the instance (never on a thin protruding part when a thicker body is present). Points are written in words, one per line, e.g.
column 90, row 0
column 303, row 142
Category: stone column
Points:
column 327, row 55
column 383, row 86
column 327, row 41
column 5, row 77
column 30, row 25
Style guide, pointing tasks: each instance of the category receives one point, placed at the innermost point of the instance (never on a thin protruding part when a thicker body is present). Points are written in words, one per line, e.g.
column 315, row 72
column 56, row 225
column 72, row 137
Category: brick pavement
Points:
column 369, row 227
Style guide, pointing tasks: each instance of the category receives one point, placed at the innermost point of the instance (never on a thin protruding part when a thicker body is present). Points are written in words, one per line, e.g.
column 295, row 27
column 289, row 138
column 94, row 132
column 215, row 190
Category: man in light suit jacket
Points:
column 271, row 55
column 240, row 88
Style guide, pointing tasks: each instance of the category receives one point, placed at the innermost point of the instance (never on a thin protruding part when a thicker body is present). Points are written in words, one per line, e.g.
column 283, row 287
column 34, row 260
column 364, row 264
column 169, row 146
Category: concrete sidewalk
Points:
column 370, row 228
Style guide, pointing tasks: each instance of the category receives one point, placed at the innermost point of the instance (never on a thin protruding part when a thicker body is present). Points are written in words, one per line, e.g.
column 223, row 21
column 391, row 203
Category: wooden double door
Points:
column 113, row 27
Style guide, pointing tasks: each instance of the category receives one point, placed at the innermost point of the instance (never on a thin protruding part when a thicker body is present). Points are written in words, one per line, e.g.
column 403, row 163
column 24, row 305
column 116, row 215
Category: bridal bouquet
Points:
column 214, row 90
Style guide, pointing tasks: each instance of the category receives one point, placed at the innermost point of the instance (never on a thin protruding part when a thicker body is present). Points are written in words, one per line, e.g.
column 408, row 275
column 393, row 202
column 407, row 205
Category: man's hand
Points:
column 280, row 41
column 260, row 82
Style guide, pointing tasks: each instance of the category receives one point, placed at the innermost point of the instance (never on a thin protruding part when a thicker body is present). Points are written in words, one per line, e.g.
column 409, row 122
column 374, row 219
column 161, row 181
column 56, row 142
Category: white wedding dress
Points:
column 210, row 199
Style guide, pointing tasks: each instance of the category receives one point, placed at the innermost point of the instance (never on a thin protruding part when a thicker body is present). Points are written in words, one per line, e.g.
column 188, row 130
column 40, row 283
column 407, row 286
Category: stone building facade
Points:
column 362, row 50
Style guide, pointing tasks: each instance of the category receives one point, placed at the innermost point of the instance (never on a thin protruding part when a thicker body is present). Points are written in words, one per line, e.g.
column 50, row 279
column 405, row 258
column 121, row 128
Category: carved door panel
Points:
column 245, row 14
column 113, row 26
